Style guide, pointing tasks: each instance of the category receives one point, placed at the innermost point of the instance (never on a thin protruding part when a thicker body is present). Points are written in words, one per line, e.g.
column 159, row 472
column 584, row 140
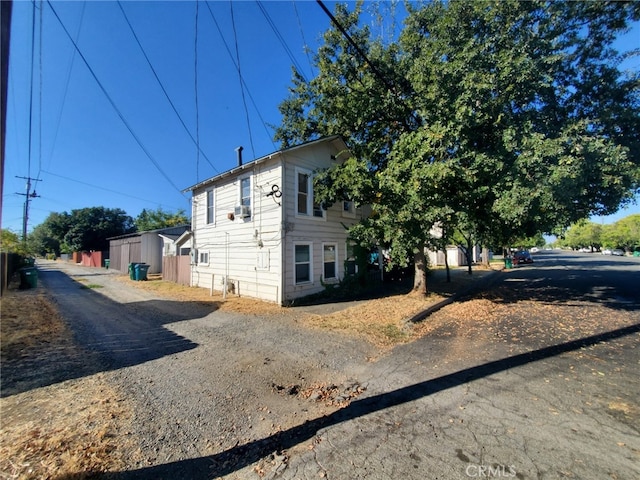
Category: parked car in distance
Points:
column 607, row 251
column 535, row 250
column 522, row 256
column 617, row 252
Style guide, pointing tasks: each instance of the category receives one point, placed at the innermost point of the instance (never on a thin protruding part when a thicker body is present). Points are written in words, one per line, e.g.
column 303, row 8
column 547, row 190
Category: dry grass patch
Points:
column 29, row 321
column 381, row 321
column 64, row 429
column 197, row 294
column 71, row 428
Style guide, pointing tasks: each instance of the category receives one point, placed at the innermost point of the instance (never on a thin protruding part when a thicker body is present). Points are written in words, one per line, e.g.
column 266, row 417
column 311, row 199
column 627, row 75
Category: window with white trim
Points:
column 210, row 207
column 305, row 203
column 302, row 181
column 245, row 193
column 330, row 261
column 204, row 258
column 302, row 260
column 348, row 209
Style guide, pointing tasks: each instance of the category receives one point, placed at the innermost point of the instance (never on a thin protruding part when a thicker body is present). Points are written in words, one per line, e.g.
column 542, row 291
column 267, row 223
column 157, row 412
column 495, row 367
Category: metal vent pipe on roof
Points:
column 239, row 152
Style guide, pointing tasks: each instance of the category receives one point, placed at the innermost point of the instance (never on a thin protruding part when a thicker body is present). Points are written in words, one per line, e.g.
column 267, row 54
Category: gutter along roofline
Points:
column 255, row 162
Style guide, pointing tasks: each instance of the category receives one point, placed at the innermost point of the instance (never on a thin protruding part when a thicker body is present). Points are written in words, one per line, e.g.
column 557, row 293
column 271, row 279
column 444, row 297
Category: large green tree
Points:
column 625, row 233
column 503, row 119
column 156, row 219
column 48, row 237
column 89, row 228
column 84, row 229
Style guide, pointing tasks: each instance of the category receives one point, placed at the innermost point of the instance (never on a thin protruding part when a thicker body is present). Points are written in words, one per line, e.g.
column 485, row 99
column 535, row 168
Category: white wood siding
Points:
column 247, row 251
column 309, row 229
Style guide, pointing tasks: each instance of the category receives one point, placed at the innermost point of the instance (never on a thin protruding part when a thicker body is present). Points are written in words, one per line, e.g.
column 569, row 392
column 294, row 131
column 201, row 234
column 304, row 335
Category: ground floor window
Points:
column 303, row 263
column 330, row 261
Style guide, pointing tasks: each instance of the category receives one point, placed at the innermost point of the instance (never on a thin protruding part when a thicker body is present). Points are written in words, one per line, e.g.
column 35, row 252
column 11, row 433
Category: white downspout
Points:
column 283, row 234
column 226, row 265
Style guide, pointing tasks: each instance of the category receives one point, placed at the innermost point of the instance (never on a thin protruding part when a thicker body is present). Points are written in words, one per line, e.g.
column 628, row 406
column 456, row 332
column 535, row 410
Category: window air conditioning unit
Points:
column 242, row 211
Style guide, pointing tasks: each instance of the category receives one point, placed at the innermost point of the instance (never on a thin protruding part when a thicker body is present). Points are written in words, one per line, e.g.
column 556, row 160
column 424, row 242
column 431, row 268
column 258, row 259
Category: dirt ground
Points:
column 81, row 425
column 76, row 425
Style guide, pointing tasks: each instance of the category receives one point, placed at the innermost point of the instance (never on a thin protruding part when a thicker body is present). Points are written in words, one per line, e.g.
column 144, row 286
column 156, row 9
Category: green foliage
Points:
column 157, row 219
column 85, row 229
column 498, row 120
column 530, row 242
column 48, row 237
column 583, row 234
column 89, row 228
column 624, row 233
column 10, row 243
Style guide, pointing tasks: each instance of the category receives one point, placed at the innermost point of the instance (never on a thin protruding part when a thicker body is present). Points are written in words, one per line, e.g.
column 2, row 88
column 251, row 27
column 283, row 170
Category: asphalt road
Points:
column 548, row 389
column 538, row 380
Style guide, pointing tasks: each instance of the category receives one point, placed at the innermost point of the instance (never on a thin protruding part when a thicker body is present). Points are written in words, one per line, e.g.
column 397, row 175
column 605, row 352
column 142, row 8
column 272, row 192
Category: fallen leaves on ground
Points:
column 64, row 429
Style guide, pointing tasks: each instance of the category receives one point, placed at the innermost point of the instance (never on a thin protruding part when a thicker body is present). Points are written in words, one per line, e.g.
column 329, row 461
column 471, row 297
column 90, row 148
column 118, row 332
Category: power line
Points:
column 244, row 101
column 226, row 45
column 113, row 104
column 282, row 41
column 304, row 41
column 195, row 78
column 155, row 74
column 107, row 189
column 66, row 86
column 33, row 42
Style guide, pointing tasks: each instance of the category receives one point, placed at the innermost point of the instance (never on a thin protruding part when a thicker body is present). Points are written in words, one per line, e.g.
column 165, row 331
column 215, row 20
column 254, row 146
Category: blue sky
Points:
column 127, row 148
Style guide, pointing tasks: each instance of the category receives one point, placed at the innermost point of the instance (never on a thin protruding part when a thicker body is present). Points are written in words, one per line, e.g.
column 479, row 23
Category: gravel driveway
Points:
column 537, row 378
column 203, row 381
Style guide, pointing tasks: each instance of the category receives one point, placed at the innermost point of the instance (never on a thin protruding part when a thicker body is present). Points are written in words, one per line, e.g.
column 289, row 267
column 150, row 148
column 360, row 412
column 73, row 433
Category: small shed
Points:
column 141, row 247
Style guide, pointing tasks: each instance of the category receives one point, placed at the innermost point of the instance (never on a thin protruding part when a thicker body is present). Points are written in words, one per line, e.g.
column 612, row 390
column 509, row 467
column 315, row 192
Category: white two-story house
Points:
column 259, row 232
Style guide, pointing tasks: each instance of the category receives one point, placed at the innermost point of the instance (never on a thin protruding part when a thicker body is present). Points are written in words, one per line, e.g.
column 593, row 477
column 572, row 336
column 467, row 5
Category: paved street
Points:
column 534, row 378
column 539, row 382
column 550, row 392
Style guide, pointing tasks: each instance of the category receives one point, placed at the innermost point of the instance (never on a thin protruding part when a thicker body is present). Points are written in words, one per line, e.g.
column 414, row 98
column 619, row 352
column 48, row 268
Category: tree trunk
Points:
column 446, row 264
column 485, row 257
column 469, row 253
column 420, row 278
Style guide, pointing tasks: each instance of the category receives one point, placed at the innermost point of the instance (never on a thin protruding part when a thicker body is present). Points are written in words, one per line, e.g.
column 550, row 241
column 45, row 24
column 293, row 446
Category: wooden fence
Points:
column 9, row 264
column 177, row 269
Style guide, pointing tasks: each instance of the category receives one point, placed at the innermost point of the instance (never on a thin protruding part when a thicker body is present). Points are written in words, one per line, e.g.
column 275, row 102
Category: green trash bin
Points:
column 508, row 263
column 28, row 277
column 132, row 271
column 106, row 263
column 141, row 270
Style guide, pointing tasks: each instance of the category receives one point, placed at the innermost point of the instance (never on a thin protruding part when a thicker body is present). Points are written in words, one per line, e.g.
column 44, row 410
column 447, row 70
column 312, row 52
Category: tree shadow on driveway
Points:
column 107, row 335
column 236, row 458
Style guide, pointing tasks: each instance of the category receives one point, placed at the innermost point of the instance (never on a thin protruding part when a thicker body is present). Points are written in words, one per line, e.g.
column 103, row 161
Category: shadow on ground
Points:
column 106, row 335
column 236, row 458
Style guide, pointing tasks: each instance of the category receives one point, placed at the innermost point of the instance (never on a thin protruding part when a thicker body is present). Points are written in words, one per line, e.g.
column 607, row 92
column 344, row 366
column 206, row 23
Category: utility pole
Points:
column 29, row 195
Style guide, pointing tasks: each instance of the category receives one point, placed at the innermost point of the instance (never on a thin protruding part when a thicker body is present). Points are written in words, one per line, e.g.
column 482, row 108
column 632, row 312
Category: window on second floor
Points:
column 348, row 209
column 245, row 193
column 306, row 204
column 303, row 193
column 210, row 207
